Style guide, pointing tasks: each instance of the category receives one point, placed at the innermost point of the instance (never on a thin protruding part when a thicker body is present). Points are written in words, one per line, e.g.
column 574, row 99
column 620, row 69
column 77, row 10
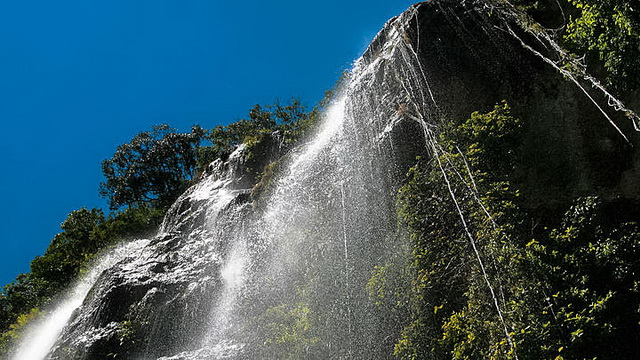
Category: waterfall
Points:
column 329, row 220
column 224, row 280
column 286, row 275
column 41, row 336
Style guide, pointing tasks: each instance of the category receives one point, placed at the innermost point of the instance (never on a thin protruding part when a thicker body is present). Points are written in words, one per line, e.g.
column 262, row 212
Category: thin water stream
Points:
column 42, row 335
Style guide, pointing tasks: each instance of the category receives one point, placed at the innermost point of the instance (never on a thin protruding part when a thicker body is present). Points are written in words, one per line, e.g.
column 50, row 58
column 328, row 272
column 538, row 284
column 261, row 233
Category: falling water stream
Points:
column 284, row 280
column 283, row 277
column 40, row 336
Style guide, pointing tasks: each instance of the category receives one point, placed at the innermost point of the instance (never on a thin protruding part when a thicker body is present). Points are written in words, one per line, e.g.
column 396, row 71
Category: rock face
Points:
column 438, row 62
column 473, row 55
column 153, row 302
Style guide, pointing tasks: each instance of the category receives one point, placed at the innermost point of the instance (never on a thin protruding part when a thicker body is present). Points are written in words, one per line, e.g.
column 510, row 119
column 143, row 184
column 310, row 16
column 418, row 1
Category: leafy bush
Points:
column 608, row 33
column 492, row 280
column 451, row 207
column 17, row 329
column 292, row 121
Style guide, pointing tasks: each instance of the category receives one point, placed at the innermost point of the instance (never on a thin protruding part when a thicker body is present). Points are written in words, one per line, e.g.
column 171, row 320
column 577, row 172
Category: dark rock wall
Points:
column 471, row 61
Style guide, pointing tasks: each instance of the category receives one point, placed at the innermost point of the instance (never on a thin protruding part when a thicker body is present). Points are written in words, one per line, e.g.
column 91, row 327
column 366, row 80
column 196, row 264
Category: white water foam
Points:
column 42, row 335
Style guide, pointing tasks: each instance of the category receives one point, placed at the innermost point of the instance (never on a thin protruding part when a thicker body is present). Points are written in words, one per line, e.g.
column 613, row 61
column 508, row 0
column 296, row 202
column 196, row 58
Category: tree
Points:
column 292, row 120
column 69, row 249
column 608, row 33
column 154, row 167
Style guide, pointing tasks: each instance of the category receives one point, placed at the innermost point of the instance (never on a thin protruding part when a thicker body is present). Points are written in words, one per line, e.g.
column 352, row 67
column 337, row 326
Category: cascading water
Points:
column 41, row 336
column 222, row 279
column 162, row 290
column 285, row 276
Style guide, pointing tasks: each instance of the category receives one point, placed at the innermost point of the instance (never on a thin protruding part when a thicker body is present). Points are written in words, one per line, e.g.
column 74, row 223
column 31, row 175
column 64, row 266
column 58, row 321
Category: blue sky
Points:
column 77, row 78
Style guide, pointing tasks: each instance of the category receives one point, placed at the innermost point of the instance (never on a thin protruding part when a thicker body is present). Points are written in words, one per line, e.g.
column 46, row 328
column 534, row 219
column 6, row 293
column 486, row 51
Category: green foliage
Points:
column 562, row 288
column 153, row 168
column 292, row 120
column 290, row 331
column 129, row 335
column 467, row 173
column 85, row 233
column 589, row 265
column 67, row 254
column 18, row 297
column 377, row 284
column 133, row 222
column 68, row 249
column 8, row 338
column 605, row 33
column 608, row 33
column 265, row 182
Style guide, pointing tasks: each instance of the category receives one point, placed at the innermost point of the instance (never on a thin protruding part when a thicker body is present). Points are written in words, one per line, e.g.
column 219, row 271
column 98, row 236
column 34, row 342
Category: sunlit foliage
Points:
column 608, row 33
column 494, row 280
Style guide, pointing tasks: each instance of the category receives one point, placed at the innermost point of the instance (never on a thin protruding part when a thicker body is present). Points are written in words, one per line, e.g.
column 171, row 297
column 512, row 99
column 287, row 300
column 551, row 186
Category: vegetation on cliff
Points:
column 85, row 233
column 603, row 35
column 142, row 180
column 607, row 33
column 154, row 168
column 489, row 276
column 493, row 279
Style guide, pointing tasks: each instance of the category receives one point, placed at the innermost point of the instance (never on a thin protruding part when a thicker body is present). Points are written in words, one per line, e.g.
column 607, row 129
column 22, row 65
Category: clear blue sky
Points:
column 77, row 78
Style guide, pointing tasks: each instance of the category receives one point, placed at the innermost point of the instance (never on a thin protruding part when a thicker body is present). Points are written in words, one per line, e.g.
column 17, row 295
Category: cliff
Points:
column 474, row 54
column 309, row 273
